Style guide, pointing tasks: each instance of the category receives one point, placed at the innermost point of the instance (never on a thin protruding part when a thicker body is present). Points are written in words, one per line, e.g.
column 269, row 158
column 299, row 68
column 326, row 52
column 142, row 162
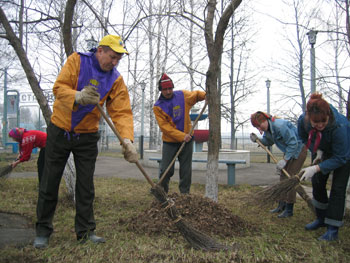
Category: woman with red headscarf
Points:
column 326, row 133
column 27, row 140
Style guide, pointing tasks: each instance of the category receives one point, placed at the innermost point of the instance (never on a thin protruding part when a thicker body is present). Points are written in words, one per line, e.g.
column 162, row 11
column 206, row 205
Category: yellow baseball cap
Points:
column 114, row 42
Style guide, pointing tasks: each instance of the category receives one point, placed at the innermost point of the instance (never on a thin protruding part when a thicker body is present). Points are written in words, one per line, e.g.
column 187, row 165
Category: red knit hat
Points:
column 165, row 82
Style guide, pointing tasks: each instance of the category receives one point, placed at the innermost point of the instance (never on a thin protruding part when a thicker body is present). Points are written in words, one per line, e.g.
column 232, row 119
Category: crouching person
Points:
column 326, row 133
column 284, row 134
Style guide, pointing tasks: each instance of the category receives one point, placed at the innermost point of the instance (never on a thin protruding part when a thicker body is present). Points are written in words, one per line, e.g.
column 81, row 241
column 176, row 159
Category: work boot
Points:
column 319, row 221
column 41, row 242
column 330, row 235
column 92, row 237
column 288, row 211
column 279, row 208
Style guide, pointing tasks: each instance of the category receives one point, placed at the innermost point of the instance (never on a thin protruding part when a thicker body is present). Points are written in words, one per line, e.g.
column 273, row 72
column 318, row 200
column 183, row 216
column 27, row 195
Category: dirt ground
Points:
column 202, row 213
column 15, row 230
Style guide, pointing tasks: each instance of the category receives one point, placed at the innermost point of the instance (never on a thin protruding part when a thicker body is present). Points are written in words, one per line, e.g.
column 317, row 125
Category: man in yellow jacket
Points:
column 172, row 111
column 85, row 80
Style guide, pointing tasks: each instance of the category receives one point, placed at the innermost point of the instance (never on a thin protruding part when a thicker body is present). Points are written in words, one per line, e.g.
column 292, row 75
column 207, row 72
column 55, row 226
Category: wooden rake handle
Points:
column 111, row 125
column 183, row 144
column 272, row 156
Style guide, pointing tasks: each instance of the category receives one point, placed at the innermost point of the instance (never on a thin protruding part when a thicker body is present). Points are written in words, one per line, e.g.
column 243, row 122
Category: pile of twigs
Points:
column 195, row 238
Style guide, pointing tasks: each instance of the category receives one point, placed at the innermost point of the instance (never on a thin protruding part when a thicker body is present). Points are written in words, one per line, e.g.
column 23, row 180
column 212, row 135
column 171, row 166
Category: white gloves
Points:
column 318, row 158
column 308, row 172
column 129, row 151
column 281, row 164
column 88, row 95
column 253, row 137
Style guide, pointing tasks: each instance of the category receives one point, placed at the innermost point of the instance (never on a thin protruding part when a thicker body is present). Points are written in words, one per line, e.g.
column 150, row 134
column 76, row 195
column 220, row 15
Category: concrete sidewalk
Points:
column 257, row 174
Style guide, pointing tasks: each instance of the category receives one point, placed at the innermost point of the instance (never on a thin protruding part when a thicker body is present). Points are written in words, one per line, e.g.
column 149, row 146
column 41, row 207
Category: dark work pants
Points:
column 40, row 163
column 59, row 145
column 335, row 203
column 185, row 161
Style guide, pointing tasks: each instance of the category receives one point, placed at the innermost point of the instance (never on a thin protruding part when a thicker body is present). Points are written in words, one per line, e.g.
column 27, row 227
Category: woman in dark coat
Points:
column 326, row 133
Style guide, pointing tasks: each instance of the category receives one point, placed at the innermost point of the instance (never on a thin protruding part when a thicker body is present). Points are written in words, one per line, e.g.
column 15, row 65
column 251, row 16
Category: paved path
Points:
column 257, row 174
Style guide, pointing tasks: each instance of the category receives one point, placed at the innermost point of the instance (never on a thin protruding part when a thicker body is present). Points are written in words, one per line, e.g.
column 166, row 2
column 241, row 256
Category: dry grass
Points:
column 276, row 240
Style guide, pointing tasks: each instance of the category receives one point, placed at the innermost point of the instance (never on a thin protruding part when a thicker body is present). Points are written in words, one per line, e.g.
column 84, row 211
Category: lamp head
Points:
column 312, row 36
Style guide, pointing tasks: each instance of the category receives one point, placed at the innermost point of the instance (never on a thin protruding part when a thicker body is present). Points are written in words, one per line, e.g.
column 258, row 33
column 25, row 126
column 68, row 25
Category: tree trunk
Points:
column 22, row 56
column 15, row 42
column 211, row 187
column 215, row 47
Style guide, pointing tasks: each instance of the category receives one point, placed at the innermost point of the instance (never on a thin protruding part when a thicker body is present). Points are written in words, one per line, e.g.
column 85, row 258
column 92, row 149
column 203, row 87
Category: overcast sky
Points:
column 270, row 48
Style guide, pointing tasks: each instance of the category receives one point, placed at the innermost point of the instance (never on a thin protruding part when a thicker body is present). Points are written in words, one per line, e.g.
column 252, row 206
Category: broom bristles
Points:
column 5, row 170
column 197, row 239
column 276, row 192
column 194, row 237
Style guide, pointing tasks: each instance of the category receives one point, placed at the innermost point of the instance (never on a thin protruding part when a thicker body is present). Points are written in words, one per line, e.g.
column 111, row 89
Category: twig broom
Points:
column 274, row 193
column 194, row 237
column 6, row 170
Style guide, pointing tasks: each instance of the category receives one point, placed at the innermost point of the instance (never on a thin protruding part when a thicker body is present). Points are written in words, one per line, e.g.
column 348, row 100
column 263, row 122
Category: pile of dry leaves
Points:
column 202, row 213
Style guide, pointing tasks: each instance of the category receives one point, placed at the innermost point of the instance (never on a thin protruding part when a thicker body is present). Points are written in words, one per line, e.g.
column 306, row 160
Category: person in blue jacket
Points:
column 326, row 133
column 284, row 134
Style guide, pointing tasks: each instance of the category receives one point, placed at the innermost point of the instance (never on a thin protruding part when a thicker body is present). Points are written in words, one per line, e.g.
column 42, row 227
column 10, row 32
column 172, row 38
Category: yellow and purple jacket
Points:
column 80, row 70
column 173, row 115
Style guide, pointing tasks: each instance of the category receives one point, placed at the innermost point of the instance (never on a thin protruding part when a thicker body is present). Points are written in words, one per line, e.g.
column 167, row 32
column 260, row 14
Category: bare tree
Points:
column 240, row 83
column 214, row 42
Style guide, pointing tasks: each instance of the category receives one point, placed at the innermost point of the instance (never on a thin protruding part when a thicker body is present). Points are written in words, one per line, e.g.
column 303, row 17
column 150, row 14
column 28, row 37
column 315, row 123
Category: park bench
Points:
column 231, row 167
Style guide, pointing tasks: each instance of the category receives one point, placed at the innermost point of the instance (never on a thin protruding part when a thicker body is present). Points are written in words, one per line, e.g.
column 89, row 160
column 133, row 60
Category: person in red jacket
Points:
column 27, row 141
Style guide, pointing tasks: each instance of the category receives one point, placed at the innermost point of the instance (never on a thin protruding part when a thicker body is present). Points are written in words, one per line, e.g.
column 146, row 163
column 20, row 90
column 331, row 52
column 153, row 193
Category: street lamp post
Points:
column 143, row 86
column 268, row 84
column 312, row 40
column 4, row 113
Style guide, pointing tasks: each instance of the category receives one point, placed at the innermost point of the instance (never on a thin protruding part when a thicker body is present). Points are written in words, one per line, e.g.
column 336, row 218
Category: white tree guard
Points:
column 69, row 176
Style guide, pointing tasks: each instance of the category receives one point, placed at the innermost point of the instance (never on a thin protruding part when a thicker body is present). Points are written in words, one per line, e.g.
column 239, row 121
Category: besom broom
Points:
column 6, row 170
column 274, row 193
column 195, row 238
